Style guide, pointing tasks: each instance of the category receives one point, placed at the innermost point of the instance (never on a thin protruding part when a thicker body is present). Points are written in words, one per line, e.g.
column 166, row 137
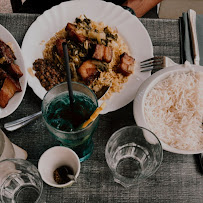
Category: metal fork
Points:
column 156, row 63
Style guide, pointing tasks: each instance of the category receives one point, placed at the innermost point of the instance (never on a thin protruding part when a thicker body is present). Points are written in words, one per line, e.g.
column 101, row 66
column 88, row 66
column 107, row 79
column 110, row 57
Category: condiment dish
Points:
column 55, row 158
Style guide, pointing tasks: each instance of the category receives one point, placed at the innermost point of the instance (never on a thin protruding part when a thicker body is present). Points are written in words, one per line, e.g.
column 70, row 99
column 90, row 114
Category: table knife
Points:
column 192, row 23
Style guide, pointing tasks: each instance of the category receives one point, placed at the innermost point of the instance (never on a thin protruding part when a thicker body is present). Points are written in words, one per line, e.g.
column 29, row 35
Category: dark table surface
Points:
column 179, row 178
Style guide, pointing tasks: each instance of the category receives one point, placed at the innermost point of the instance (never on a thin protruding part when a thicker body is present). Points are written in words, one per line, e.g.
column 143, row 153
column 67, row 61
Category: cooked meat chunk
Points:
column 125, row 58
column 98, row 52
column 88, row 71
column 13, row 70
column 9, row 74
column 108, row 54
column 9, row 88
column 71, row 31
column 124, row 69
column 3, row 74
column 103, row 53
column 126, row 62
column 6, row 53
column 59, row 46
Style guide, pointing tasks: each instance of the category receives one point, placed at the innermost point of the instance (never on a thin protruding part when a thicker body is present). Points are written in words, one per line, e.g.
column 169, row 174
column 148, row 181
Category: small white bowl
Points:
column 54, row 158
column 147, row 85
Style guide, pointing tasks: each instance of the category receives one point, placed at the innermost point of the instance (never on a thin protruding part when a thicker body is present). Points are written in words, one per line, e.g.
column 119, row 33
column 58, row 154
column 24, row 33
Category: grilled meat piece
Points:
column 125, row 58
column 103, row 53
column 108, row 54
column 9, row 88
column 98, row 52
column 124, row 69
column 3, row 74
column 59, row 47
column 88, row 71
column 13, row 70
column 6, row 52
column 126, row 62
column 71, row 31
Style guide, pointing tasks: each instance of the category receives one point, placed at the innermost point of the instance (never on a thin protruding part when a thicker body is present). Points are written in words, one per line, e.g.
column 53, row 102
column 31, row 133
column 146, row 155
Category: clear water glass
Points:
column 133, row 153
column 20, row 182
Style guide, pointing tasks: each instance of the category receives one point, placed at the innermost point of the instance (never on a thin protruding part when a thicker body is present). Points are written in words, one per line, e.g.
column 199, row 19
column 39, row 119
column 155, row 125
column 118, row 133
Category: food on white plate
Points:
column 9, row 74
column 174, row 110
column 98, row 57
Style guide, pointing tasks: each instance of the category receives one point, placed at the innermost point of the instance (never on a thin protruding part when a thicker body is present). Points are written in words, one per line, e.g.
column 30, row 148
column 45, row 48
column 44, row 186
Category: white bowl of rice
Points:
column 170, row 104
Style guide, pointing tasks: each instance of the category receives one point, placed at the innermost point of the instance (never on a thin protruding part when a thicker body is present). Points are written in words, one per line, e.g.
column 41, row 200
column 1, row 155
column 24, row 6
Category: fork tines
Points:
column 155, row 62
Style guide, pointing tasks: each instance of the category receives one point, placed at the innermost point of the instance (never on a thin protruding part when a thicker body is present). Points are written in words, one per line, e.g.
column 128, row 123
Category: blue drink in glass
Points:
column 60, row 115
column 64, row 122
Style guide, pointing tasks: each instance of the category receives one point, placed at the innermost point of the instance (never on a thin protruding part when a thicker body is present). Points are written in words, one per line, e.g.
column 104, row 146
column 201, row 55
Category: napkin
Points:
column 187, row 34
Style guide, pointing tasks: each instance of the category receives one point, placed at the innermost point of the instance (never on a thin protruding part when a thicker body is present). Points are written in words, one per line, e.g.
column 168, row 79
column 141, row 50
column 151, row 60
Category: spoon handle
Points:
column 14, row 125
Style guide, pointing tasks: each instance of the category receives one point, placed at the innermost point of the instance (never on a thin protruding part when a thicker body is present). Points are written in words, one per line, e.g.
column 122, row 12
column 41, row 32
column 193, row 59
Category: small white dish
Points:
column 54, row 158
column 15, row 101
column 147, row 85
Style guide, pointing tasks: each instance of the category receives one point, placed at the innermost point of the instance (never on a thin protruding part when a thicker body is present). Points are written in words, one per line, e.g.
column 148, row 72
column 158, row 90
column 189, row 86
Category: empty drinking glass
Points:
column 20, row 182
column 133, row 153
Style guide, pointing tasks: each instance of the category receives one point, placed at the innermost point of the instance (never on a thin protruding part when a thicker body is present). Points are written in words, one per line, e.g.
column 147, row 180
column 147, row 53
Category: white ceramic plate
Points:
column 15, row 101
column 129, row 27
column 147, row 85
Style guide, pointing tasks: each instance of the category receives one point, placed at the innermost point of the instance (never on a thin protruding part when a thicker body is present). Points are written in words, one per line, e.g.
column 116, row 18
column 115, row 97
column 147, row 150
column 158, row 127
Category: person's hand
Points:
column 141, row 7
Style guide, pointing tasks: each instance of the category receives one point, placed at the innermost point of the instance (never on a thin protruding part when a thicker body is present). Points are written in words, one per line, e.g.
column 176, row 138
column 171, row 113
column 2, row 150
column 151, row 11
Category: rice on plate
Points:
column 90, row 44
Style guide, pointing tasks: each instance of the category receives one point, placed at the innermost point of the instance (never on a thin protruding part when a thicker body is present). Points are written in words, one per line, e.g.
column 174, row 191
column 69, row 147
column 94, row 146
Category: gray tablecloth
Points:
column 178, row 179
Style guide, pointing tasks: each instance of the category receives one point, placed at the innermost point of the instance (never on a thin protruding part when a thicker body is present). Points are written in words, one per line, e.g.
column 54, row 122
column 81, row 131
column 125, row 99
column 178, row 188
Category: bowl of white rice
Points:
column 170, row 104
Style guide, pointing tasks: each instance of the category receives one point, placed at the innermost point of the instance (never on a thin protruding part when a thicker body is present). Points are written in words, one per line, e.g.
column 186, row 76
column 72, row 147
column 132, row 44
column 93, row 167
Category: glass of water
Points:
column 20, row 182
column 133, row 153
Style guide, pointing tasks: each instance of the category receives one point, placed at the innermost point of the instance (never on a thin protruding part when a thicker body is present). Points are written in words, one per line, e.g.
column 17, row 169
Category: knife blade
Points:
column 192, row 23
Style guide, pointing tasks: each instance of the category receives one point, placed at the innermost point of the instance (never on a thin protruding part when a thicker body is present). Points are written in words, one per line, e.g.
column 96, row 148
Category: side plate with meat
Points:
column 13, row 78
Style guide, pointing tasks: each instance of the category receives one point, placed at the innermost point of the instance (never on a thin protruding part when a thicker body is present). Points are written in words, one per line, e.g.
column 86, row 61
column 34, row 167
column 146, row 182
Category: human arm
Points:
column 141, row 7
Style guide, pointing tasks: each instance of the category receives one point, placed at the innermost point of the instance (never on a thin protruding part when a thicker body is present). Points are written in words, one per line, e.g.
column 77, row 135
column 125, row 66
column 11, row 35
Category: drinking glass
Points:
column 133, row 153
column 20, row 182
column 80, row 140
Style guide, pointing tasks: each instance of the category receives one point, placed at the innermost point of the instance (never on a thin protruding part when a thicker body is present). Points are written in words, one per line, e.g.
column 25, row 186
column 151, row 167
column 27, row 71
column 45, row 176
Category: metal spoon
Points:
column 102, row 92
column 14, row 125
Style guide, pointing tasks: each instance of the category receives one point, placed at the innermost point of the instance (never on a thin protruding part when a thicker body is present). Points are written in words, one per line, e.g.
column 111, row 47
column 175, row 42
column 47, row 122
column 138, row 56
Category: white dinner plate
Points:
column 128, row 26
column 15, row 101
column 147, row 85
